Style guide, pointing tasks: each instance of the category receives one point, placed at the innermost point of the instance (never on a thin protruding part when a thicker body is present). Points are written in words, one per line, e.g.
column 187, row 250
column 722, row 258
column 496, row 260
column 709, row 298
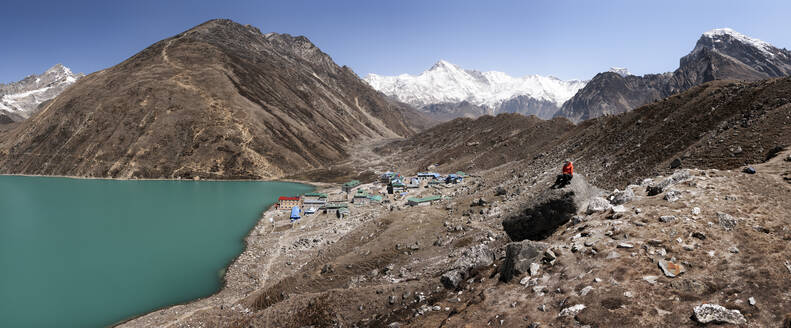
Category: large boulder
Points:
column 597, row 204
column 474, row 257
column 519, row 256
column 622, row 197
column 549, row 210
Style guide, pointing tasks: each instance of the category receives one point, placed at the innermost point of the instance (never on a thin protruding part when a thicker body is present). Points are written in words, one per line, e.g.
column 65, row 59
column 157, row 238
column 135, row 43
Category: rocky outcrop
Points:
column 520, row 256
column 471, row 258
column 550, row 210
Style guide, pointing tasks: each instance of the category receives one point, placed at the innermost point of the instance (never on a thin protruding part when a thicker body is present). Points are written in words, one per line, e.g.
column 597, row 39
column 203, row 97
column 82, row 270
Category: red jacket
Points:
column 568, row 169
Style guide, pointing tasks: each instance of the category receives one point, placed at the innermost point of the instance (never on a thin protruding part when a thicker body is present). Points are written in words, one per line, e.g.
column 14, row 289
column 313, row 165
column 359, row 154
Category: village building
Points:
column 314, row 196
column 286, row 203
column 360, row 197
column 349, row 186
column 413, row 183
column 375, row 198
column 313, row 200
column 396, row 187
column 414, row 201
column 388, row 177
column 334, row 207
column 453, row 178
column 429, row 175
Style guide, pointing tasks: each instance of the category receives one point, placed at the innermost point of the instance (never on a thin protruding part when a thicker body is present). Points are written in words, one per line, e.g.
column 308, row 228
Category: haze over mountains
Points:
column 447, row 91
column 220, row 100
column 19, row 100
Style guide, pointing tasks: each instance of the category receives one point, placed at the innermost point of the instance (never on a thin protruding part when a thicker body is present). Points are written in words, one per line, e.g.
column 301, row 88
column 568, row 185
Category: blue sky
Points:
column 567, row 39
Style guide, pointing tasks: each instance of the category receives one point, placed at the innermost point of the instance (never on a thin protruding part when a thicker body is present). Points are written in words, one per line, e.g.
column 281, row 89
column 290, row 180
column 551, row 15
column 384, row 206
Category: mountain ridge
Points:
column 719, row 54
column 19, row 100
column 220, row 100
column 463, row 92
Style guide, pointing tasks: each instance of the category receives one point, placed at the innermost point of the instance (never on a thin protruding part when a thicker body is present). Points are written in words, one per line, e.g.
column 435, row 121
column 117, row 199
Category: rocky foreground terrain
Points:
column 682, row 250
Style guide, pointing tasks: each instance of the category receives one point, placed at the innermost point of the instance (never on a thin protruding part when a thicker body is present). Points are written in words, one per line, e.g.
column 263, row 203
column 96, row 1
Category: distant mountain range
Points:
column 221, row 100
column 720, row 54
column 447, row 91
column 18, row 100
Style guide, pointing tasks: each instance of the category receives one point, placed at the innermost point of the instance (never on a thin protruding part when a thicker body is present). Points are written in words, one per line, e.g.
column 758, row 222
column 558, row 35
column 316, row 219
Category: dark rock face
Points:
column 539, row 222
column 220, row 100
column 526, row 105
column 550, row 210
column 519, row 256
column 718, row 55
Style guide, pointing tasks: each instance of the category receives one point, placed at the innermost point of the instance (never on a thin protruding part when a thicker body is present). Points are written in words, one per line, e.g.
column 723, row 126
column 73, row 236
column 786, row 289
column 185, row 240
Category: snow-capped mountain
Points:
column 719, row 54
column 622, row 71
column 18, row 100
column 446, row 84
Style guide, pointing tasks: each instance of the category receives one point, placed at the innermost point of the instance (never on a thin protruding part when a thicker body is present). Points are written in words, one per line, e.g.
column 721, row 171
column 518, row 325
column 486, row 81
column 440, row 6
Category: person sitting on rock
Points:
column 566, row 174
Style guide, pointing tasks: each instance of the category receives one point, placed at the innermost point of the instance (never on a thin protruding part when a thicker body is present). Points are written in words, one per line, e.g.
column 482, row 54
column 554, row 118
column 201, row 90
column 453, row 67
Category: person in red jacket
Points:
column 566, row 175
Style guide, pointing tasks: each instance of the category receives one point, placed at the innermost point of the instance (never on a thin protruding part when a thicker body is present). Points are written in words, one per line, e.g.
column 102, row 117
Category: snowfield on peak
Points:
column 22, row 98
column 718, row 33
column 447, row 83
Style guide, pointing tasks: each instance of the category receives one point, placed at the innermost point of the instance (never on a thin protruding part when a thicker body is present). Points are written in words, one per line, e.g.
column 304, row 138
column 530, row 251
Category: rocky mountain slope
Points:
column 19, row 100
column 447, row 91
column 614, row 258
column 220, row 100
column 719, row 124
column 720, row 54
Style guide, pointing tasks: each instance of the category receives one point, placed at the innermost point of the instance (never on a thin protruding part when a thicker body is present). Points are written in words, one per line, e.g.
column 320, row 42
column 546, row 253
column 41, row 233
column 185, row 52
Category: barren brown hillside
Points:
column 721, row 124
column 220, row 100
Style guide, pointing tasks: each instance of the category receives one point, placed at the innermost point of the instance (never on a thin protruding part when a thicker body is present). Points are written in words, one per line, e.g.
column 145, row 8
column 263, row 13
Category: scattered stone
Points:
column 452, row 279
column 695, row 210
column 597, row 204
column 613, row 255
column 586, row 290
column 637, row 210
column 676, row 163
column 534, row 267
column 733, row 250
column 650, row 279
column 572, row 310
column 788, row 266
column 726, row 220
column 525, row 281
column 628, row 294
column 625, row 245
column 550, row 257
column 672, row 195
column 500, row 191
column 751, row 300
column 622, row 197
column 671, row 269
column 749, row 170
column 667, row 218
column 699, row 235
column 678, row 176
column 391, row 299
column 707, row 313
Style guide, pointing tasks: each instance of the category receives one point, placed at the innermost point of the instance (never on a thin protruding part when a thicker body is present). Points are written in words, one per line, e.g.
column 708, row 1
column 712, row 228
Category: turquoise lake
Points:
column 90, row 253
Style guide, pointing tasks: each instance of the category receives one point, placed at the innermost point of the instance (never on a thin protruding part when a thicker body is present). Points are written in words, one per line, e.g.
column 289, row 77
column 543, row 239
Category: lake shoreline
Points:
column 247, row 250
column 77, row 177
